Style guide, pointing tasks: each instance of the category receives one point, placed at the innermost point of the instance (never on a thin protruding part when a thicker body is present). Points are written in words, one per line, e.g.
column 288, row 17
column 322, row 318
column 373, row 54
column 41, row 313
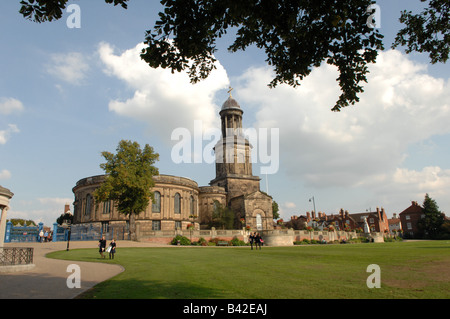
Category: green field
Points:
column 408, row 270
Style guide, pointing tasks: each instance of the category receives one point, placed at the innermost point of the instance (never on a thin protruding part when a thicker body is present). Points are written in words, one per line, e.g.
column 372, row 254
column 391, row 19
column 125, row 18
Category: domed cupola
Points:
column 231, row 116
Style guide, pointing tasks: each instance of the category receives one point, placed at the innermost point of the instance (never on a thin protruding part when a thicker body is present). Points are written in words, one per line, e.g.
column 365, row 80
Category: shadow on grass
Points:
column 149, row 289
column 435, row 247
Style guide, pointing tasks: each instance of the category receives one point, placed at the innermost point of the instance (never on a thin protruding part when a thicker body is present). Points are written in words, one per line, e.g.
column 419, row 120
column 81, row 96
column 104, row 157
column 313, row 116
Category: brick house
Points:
column 394, row 224
column 377, row 221
column 409, row 219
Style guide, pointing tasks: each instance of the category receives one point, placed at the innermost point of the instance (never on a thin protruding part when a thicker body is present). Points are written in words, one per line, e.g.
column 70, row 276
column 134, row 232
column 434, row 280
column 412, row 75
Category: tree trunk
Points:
column 133, row 235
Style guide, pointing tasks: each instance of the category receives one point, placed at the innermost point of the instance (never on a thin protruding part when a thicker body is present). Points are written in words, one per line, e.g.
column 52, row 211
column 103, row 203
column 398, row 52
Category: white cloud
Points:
column 287, row 209
column 401, row 106
column 10, row 105
column 5, row 134
column 163, row 100
column 5, row 174
column 289, row 205
column 45, row 210
column 69, row 67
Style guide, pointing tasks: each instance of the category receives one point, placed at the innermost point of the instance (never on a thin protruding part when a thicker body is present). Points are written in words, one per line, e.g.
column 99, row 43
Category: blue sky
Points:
column 68, row 94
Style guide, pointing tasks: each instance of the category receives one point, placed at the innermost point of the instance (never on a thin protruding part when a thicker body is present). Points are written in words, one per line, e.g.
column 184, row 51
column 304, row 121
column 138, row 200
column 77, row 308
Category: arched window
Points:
column 259, row 225
column 191, row 206
column 87, row 208
column 177, row 203
column 156, row 206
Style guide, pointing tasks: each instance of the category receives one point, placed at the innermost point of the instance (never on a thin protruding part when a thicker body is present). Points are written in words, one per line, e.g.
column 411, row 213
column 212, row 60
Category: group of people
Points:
column 45, row 236
column 111, row 248
column 255, row 238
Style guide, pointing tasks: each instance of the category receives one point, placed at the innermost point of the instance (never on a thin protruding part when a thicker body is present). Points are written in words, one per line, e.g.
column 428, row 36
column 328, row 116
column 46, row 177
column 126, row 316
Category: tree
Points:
column 275, row 210
column 433, row 220
column 65, row 217
column 222, row 216
column 129, row 180
column 23, row 222
column 427, row 31
column 445, row 229
column 295, row 35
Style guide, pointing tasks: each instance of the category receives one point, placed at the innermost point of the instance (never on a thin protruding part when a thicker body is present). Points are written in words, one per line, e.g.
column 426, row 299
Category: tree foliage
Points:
column 65, row 217
column 433, row 220
column 275, row 210
column 48, row 10
column 129, row 179
column 223, row 217
column 23, row 222
column 428, row 31
column 296, row 36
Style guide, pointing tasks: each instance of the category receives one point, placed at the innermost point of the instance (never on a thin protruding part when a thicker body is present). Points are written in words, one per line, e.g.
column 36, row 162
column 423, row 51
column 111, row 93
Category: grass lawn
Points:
column 408, row 270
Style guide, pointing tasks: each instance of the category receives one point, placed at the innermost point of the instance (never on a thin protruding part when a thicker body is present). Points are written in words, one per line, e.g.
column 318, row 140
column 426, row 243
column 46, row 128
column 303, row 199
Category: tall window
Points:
column 87, row 208
column 156, row 206
column 191, row 206
column 259, row 222
column 177, row 203
column 105, row 227
column 107, row 207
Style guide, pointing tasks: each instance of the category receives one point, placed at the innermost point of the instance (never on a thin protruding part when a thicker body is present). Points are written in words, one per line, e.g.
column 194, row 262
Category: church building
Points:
column 180, row 202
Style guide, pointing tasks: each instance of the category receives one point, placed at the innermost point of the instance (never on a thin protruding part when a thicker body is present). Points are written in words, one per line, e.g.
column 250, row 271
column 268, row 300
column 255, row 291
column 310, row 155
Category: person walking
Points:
column 257, row 241
column 251, row 239
column 102, row 246
column 112, row 248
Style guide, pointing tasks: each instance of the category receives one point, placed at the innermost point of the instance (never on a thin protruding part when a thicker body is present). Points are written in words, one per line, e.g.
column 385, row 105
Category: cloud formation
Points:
column 69, row 67
column 10, row 105
column 363, row 146
column 163, row 100
column 5, row 174
column 401, row 106
column 6, row 133
column 45, row 210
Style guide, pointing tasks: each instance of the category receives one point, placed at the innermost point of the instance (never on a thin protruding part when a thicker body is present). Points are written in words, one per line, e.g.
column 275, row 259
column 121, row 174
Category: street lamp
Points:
column 314, row 203
column 67, row 225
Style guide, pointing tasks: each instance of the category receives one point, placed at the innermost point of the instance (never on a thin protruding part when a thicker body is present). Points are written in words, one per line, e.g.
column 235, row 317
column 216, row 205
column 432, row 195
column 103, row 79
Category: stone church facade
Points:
column 180, row 202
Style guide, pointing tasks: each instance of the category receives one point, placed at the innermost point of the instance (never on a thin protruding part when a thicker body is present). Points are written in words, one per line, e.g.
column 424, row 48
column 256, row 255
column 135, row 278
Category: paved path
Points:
column 48, row 279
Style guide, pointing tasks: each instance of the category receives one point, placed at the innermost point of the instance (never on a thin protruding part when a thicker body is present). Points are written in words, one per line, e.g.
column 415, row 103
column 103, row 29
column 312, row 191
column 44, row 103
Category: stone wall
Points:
column 284, row 237
column 165, row 237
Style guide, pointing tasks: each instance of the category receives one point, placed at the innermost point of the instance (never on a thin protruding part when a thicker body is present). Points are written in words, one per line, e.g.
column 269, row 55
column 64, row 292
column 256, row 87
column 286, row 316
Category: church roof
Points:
column 230, row 103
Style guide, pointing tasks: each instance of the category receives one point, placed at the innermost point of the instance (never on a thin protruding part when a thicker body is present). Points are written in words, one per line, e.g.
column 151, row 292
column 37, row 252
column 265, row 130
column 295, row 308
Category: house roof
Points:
column 413, row 209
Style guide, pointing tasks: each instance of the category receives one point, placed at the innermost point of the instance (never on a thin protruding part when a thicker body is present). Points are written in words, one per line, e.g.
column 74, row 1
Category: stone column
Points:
column 3, row 210
column 5, row 196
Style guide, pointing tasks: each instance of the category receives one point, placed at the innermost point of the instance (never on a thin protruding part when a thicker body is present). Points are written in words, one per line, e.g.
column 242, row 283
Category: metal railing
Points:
column 16, row 256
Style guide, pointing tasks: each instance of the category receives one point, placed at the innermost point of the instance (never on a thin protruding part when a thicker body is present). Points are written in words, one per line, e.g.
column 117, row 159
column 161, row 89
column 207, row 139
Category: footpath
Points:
column 48, row 278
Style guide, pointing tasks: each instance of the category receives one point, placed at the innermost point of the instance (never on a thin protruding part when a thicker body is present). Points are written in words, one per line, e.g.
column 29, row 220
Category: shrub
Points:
column 181, row 239
column 302, row 242
column 213, row 241
column 202, row 241
column 237, row 242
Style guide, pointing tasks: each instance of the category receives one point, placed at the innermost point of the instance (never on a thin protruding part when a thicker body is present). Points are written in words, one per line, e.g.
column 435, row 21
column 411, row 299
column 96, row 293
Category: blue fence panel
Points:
column 78, row 232
column 22, row 233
